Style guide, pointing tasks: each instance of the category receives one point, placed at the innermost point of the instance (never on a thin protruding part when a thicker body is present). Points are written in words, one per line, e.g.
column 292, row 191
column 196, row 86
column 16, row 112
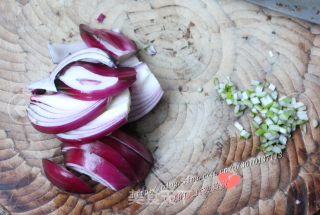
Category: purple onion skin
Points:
column 93, row 137
column 126, row 76
column 140, row 166
column 63, row 179
column 115, row 39
column 97, row 166
column 133, row 143
column 94, row 113
column 106, row 152
column 101, row 17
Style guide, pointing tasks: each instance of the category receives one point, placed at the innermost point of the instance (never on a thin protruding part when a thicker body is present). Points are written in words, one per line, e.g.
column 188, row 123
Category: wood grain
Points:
column 189, row 133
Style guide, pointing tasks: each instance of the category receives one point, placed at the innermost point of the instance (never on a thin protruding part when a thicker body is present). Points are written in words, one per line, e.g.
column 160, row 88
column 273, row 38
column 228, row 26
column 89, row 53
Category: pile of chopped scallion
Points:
column 274, row 119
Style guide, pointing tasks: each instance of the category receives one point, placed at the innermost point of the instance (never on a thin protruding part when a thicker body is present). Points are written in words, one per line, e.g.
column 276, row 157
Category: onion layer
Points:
column 89, row 81
column 106, row 152
column 133, row 143
column 114, row 43
column 84, row 54
column 139, row 165
column 58, row 113
column 97, row 168
column 63, row 179
column 113, row 118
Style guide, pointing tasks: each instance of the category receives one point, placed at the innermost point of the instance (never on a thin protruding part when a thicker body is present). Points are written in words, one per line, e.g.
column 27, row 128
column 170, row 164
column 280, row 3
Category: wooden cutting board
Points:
column 189, row 133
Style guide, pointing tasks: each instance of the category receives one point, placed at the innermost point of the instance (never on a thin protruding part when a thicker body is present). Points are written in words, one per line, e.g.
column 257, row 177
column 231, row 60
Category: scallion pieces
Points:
column 273, row 119
column 238, row 126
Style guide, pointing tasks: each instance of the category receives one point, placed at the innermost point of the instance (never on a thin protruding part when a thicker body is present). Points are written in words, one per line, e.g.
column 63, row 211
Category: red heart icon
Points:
column 228, row 183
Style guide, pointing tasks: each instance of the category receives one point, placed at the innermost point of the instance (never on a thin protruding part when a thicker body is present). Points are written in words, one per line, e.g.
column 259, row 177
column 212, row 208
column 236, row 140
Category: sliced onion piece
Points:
column 89, row 53
column 101, row 17
column 60, row 51
column 89, row 81
column 114, row 43
column 139, row 165
column 97, row 168
column 144, row 97
column 63, row 179
column 113, row 118
column 106, row 152
column 57, row 113
column 133, row 143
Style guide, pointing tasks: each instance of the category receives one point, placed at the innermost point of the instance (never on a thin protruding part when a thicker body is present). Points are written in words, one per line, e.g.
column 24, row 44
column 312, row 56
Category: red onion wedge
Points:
column 57, row 113
column 84, row 54
column 90, row 81
column 144, row 97
column 133, row 143
column 63, row 179
column 139, row 165
column 114, row 43
column 60, row 51
column 106, row 152
column 97, row 168
column 113, row 118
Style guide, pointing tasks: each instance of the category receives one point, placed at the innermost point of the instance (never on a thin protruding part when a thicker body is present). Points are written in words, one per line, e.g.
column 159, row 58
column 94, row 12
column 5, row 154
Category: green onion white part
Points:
column 200, row 89
column 315, row 123
column 274, row 119
column 238, row 126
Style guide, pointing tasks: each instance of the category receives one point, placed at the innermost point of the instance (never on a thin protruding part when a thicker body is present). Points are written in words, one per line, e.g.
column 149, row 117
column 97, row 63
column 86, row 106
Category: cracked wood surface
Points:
column 189, row 133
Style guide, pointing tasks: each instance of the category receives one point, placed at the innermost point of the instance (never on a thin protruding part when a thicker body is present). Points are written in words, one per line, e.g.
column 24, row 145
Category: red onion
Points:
column 113, row 118
column 97, row 168
column 84, row 54
column 133, row 143
column 106, row 152
column 101, row 17
column 63, row 179
column 58, row 113
column 114, row 43
column 139, row 165
column 145, row 95
column 89, row 81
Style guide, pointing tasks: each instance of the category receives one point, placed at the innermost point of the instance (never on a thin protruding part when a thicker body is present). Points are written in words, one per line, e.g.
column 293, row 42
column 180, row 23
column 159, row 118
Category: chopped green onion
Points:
column 254, row 83
column 287, row 99
column 259, row 89
column 282, row 130
column 259, row 132
column 238, row 126
column 274, row 128
column 254, row 110
column 146, row 47
column 245, row 134
column 238, row 114
column 266, row 84
column 274, row 95
column 304, row 128
column 229, row 101
column 269, row 122
column 248, row 103
column 258, row 120
column 262, row 94
column 216, row 81
column 255, row 100
column 237, row 109
column 200, row 89
column 265, row 127
column 255, row 125
column 275, row 119
column 315, row 123
column 272, row 87
column 269, row 113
